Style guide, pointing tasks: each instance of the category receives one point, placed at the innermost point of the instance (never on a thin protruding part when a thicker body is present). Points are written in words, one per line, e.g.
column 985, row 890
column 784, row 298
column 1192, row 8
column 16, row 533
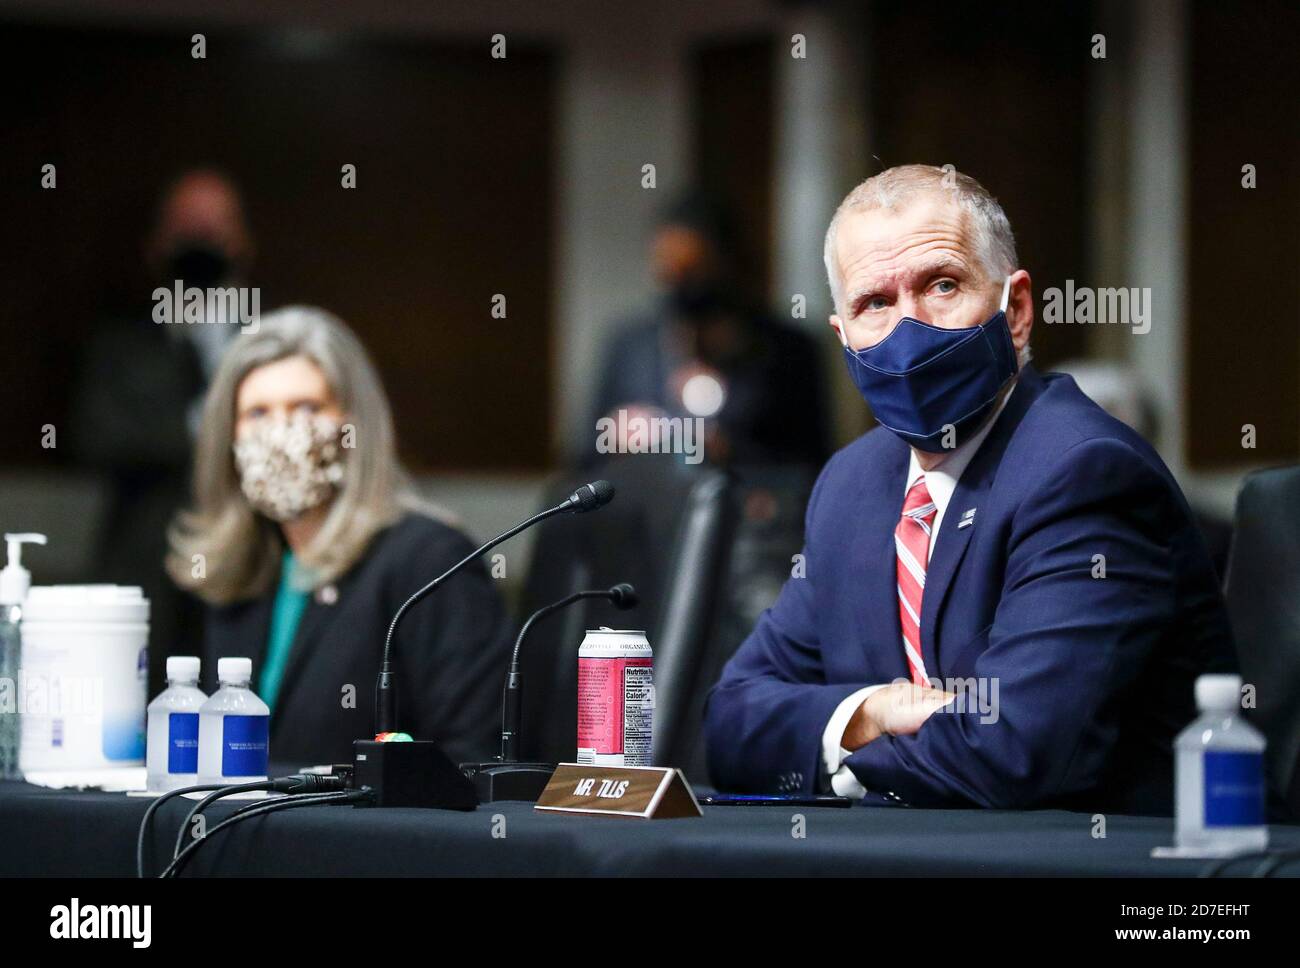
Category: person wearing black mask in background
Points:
column 138, row 391
column 705, row 350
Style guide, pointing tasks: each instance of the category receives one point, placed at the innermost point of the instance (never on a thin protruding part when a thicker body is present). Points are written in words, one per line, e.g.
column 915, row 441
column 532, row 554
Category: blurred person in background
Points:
column 138, row 391
column 1116, row 389
column 704, row 350
column 202, row 239
column 304, row 540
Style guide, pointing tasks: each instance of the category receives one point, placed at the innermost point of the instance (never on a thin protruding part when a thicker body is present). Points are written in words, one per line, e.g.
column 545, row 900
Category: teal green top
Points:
column 286, row 614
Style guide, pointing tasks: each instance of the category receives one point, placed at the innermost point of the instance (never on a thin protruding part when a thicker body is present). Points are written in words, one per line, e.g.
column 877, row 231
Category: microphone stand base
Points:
column 495, row 781
column 413, row 774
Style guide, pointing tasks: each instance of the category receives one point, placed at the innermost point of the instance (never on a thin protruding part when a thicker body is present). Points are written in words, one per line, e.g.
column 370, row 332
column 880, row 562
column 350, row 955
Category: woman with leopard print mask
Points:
column 306, row 536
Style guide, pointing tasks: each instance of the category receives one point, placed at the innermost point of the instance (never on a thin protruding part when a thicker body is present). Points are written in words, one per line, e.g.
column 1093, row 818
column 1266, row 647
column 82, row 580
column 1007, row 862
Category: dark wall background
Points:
column 1000, row 92
column 454, row 153
column 1244, row 260
column 733, row 136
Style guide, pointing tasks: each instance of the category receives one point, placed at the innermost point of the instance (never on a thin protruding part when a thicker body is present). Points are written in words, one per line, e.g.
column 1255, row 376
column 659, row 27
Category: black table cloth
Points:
column 71, row 833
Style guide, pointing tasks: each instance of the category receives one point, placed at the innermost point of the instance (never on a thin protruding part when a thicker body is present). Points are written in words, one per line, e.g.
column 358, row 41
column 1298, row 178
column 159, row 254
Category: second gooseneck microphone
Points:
column 622, row 595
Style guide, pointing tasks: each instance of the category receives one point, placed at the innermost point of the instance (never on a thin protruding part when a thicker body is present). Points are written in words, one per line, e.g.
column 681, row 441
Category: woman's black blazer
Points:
column 451, row 651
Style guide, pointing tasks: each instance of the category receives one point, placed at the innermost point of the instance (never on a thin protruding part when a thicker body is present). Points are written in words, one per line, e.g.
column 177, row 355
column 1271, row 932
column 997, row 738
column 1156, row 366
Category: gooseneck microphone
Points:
column 505, row 778
column 622, row 595
column 588, row 497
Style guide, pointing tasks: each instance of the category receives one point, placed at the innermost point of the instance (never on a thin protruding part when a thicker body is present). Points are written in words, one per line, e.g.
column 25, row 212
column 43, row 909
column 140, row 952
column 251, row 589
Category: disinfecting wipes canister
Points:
column 616, row 698
column 82, row 686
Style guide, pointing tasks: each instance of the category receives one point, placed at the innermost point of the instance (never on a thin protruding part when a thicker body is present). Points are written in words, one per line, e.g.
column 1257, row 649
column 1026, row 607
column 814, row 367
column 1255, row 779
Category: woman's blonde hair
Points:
column 222, row 550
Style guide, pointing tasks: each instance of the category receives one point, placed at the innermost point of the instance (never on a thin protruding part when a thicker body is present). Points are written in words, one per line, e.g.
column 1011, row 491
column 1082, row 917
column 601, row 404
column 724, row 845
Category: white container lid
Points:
column 234, row 670
column 85, row 603
column 184, row 668
column 1218, row 692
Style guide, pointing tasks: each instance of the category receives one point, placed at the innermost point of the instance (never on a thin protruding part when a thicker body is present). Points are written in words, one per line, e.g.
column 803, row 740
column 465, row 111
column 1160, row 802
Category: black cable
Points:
column 153, row 808
column 254, row 805
column 260, row 803
column 294, row 783
column 1216, row 867
column 174, row 869
column 1219, row 867
column 180, row 860
column 1280, row 859
column 211, row 798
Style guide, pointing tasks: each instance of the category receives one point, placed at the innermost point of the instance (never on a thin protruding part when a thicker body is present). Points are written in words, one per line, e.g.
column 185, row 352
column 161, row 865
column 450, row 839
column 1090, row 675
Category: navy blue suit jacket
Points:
column 1094, row 674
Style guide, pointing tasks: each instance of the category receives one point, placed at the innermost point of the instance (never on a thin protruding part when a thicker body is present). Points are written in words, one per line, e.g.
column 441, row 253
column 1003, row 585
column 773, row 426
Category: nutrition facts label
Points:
column 615, row 710
column 638, row 714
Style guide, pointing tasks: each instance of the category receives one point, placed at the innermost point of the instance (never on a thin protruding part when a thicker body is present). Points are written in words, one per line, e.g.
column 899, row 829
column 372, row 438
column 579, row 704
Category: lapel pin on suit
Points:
column 967, row 518
column 327, row 594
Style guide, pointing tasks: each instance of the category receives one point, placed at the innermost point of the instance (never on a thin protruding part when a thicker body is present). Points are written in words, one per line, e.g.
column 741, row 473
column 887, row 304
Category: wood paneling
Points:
column 1243, row 364
column 454, row 152
column 733, row 100
column 999, row 91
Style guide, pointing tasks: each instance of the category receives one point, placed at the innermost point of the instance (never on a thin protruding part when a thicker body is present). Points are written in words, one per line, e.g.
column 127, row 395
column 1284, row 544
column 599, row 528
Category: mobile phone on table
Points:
column 774, row 800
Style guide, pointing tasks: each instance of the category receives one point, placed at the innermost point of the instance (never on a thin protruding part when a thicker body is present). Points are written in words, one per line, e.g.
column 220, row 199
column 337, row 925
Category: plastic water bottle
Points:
column 1219, row 774
column 172, row 750
column 233, row 728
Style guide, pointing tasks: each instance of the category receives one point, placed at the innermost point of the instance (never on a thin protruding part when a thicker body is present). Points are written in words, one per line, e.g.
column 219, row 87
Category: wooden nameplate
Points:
column 648, row 792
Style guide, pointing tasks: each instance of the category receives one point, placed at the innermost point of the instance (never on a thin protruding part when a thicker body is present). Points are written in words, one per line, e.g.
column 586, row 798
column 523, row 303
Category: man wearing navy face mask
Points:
column 1004, row 600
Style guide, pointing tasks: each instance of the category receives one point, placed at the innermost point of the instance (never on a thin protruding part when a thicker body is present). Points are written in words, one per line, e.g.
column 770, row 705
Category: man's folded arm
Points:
column 838, row 778
column 766, row 718
column 1088, row 588
column 767, row 715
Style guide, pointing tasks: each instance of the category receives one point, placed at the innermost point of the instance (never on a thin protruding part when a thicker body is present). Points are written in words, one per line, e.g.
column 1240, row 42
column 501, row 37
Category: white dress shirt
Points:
column 941, row 481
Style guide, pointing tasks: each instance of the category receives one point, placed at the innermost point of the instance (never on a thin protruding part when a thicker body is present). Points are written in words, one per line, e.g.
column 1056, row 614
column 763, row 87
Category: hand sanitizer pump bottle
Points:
column 15, row 580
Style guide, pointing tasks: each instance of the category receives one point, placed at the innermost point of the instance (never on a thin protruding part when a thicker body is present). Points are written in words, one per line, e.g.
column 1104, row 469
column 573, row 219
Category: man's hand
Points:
column 896, row 710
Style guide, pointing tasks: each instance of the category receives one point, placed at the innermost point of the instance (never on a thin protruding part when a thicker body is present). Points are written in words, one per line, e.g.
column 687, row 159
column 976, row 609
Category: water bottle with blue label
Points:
column 172, row 751
column 233, row 728
column 1219, row 773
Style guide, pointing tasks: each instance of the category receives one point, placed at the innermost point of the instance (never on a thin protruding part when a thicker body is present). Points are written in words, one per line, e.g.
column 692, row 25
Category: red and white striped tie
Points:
column 912, row 546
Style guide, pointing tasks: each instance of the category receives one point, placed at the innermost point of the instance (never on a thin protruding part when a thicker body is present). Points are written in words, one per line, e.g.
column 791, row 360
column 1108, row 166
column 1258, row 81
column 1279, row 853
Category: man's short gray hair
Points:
column 990, row 232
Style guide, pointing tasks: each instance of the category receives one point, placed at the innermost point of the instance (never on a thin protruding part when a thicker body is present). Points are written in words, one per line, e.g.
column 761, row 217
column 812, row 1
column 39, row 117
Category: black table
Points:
column 70, row 833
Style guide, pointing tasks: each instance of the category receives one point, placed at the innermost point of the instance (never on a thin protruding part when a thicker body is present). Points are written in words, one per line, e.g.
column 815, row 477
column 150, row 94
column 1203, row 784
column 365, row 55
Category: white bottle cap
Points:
column 1218, row 693
column 238, row 671
column 15, row 580
column 182, row 668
